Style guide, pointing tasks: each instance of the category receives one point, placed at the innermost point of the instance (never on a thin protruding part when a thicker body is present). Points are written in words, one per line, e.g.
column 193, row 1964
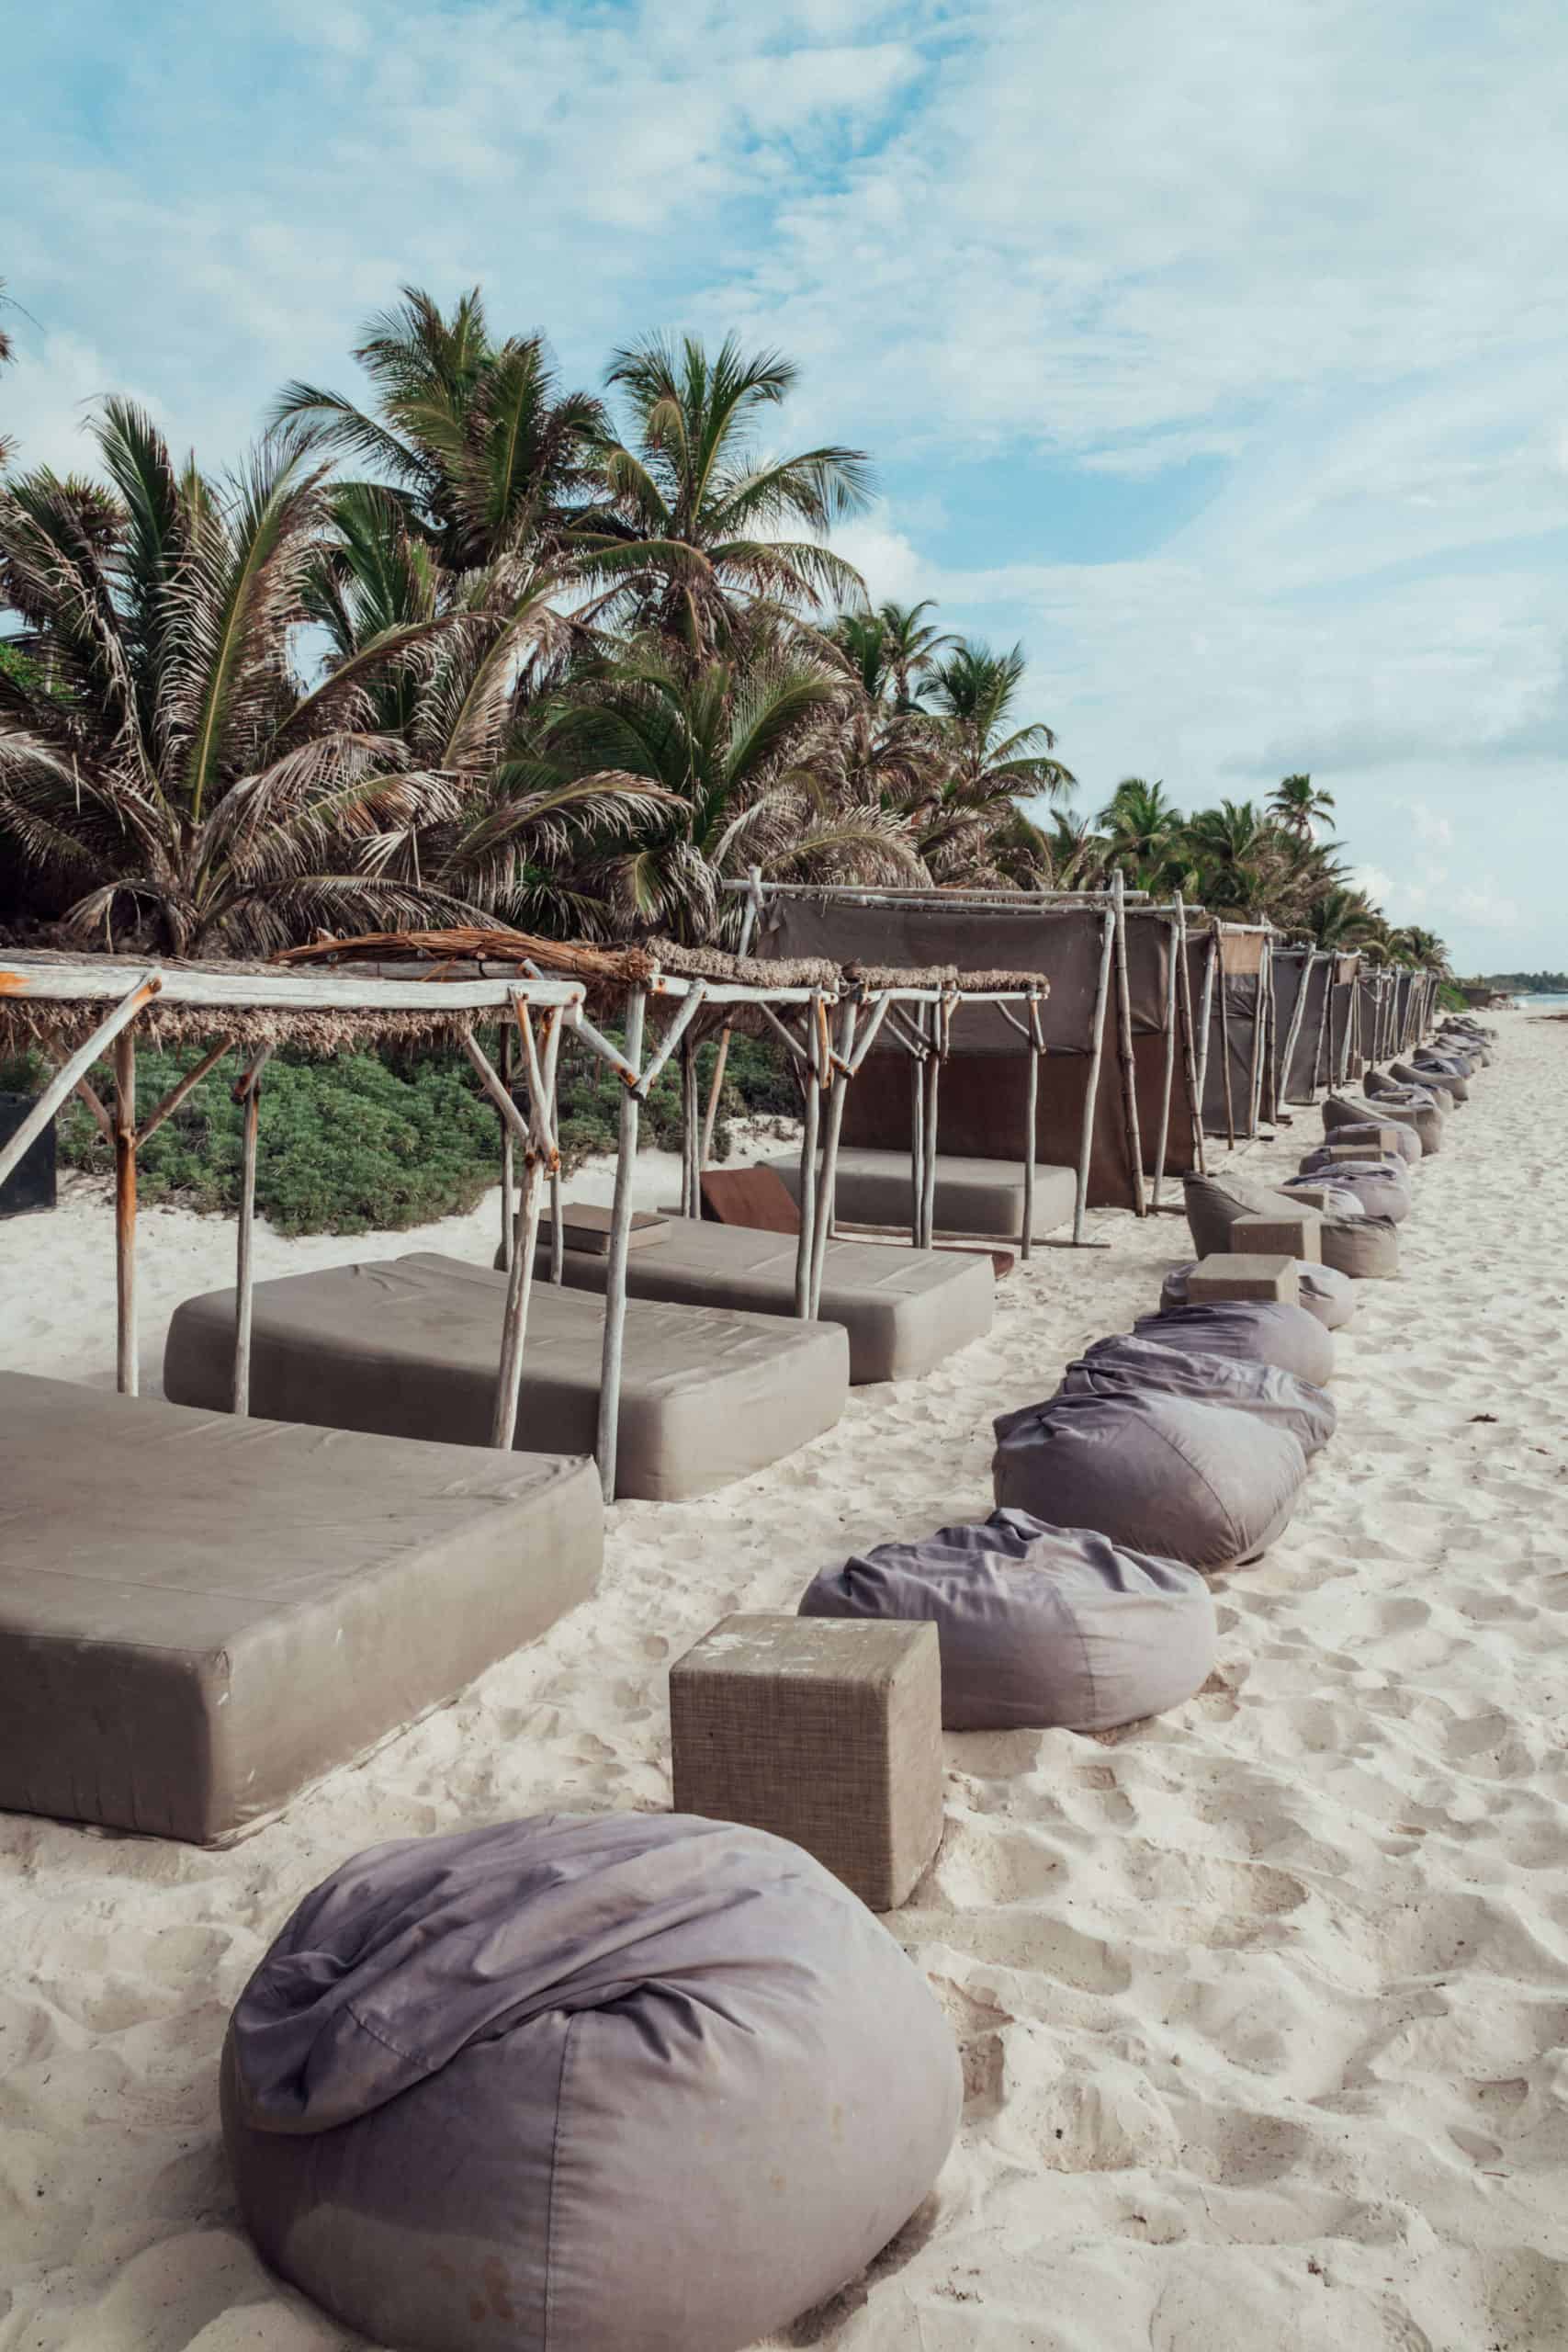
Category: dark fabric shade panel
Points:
column 1301, row 980
column 1235, row 1029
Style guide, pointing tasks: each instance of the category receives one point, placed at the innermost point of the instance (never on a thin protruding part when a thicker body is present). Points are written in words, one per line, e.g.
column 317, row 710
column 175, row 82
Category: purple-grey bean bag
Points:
column 1041, row 1628
column 1327, row 1296
column 1365, row 1128
column 1254, row 1330
column 1419, row 1104
column 1421, row 1082
column 1381, row 1185
column 1350, row 1241
column 1127, row 1363
column 1435, row 1070
column 1424, row 1122
column 571, row 2084
column 1188, row 1482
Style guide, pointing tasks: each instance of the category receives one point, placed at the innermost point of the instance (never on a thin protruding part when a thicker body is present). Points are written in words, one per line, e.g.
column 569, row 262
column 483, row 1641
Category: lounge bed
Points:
column 198, row 1616
column 409, row 1347
column 904, row 1310
column 979, row 1196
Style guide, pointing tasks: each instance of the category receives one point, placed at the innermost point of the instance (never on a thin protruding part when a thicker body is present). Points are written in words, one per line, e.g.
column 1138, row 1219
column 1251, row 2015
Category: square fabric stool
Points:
column 823, row 1732
column 1243, row 1275
column 1385, row 1142
column 1279, row 1237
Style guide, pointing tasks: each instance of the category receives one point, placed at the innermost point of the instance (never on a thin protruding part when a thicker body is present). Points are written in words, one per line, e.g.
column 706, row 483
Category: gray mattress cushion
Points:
column 1347, row 1118
column 409, row 1348
column 1041, row 1627
column 1382, row 1186
column 198, row 1615
column 905, row 1310
column 1259, row 1330
column 567, row 2085
column 1196, row 1483
column 1328, row 1296
column 982, row 1196
column 1127, row 1363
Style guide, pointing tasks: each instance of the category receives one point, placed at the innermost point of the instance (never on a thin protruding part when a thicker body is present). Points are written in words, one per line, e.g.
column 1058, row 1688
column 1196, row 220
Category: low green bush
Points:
column 376, row 1142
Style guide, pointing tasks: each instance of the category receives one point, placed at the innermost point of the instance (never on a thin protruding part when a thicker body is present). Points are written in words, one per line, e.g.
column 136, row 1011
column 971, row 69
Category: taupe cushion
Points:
column 982, row 1196
column 1188, row 1482
column 577, row 2085
column 1349, row 1121
column 905, row 1310
column 1255, row 1329
column 1365, row 1248
column 1127, row 1363
column 1216, row 1202
column 409, row 1347
column 1381, row 1185
column 1418, row 1104
column 198, row 1615
column 1327, row 1296
column 1041, row 1627
column 1440, row 1088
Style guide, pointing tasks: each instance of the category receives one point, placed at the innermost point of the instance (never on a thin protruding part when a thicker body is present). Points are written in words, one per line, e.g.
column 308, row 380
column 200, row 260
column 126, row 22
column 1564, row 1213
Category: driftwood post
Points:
column 1225, row 1044
column 1091, row 1083
column 1168, row 1087
column 1255, row 1068
column 811, row 1110
column 125, row 1211
column 1294, row 1027
column 248, row 1094
column 1189, row 1046
column 1206, row 1011
column 827, row 1182
column 917, row 1126
column 620, row 1237
column 933, row 1083
column 508, row 1160
column 1125, row 1046
column 1031, row 1120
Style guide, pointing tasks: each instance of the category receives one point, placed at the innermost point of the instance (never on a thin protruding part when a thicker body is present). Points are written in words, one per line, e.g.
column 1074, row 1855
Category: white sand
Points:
column 1264, row 2005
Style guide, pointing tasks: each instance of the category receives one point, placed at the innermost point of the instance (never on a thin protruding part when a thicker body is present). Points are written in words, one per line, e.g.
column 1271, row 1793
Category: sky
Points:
column 1218, row 353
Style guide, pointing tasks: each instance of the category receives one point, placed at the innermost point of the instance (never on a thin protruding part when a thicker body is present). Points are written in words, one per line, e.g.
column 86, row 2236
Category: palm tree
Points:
column 1424, row 949
column 1141, row 827
column 6, row 357
column 1342, row 919
column 160, row 761
column 1297, row 804
column 686, row 533
column 748, row 758
column 988, row 765
column 489, row 457
column 911, row 647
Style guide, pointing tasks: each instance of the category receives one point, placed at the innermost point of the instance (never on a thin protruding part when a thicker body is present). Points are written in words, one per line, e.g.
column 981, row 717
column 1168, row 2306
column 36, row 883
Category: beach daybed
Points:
column 200, row 1615
column 407, row 1348
column 1128, row 1364
column 1365, row 1248
column 904, row 1310
column 1041, row 1627
column 973, row 1196
column 640, row 2080
column 1325, row 1294
column 1196, row 1483
column 1256, row 1331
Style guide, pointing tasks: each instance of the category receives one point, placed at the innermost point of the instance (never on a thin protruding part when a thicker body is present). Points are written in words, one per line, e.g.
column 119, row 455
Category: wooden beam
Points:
column 177, row 1094
column 63, row 1085
column 105, row 977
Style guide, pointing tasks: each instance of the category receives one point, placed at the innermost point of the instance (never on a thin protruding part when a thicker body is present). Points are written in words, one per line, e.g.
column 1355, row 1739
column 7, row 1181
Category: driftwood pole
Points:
column 620, row 1237
column 811, row 1112
column 1293, row 1027
column 508, row 1160
column 1189, row 1048
column 827, row 1184
column 917, row 1127
column 1125, row 1046
column 691, row 1131
column 1030, row 1121
column 939, row 1013
column 1206, row 1015
column 1226, row 1046
column 247, row 1093
column 1169, row 1080
column 1319, row 1065
column 1091, row 1083
column 1255, row 1068
column 125, row 1211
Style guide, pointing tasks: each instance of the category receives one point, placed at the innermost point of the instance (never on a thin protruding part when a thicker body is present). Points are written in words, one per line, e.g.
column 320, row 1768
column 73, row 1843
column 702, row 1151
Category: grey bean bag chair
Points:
column 1327, row 1296
column 1157, row 1474
column 1430, row 1070
column 1420, row 1082
column 1418, row 1104
column 564, row 2084
column 1127, row 1365
column 1041, row 1628
column 1255, row 1330
column 1381, row 1185
column 1215, row 1202
column 1352, row 1111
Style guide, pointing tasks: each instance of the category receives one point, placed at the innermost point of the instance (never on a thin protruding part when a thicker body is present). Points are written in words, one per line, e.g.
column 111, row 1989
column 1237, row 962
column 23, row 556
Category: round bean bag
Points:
column 1416, row 1103
column 1422, row 1082
column 1429, row 1071
column 1381, row 1185
column 1344, row 1120
column 1125, row 1365
column 1215, row 1202
column 1365, row 1248
column 1198, row 1483
column 1041, row 1628
column 637, row 2080
column 1328, row 1296
column 1424, row 1119
column 1256, row 1331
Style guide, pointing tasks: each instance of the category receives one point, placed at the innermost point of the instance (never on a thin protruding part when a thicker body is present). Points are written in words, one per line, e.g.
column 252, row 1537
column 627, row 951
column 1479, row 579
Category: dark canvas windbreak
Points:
column 1368, row 987
column 1405, row 987
column 1235, row 1030
column 1294, row 970
column 1340, row 1043
column 984, row 1083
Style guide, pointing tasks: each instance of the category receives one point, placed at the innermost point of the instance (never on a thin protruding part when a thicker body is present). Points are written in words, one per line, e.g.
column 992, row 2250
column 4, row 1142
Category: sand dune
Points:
column 1264, row 2005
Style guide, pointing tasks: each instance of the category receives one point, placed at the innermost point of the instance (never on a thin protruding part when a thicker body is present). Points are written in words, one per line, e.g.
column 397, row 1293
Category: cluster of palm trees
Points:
column 487, row 648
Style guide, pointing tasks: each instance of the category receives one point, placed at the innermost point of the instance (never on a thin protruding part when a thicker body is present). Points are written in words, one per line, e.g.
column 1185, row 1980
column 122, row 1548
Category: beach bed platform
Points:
column 904, row 1311
column 200, row 1615
column 408, row 1348
column 978, row 1196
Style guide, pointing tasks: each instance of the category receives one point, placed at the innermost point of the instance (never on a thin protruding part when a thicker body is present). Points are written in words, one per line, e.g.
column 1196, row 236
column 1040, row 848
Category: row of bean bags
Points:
column 1353, row 1242
column 1327, row 1296
column 1382, row 1186
column 566, row 2084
